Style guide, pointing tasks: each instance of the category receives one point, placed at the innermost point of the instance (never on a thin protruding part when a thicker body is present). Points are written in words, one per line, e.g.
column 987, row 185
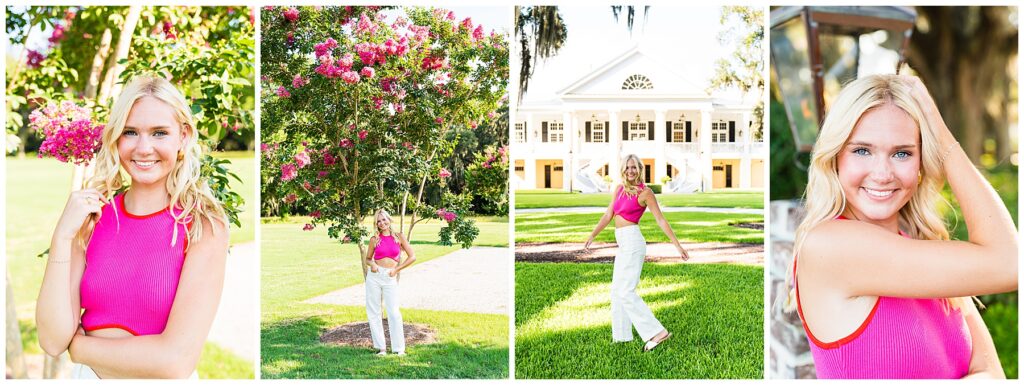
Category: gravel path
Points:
column 473, row 280
column 595, row 209
column 707, row 252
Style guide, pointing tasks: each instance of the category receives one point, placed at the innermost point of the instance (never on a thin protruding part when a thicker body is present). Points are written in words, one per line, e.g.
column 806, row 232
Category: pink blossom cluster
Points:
column 434, row 63
column 288, row 172
column 378, row 102
column 444, row 173
column 362, row 134
column 291, row 198
column 324, row 49
column 408, row 146
column 478, row 33
column 58, row 34
column 329, row 69
column 308, row 227
column 68, row 131
column 298, row 81
column 467, row 23
column 448, row 216
column 502, row 155
column 373, row 53
column 419, row 32
column 329, row 159
column 302, row 159
column 350, row 77
column 292, row 14
column 168, row 30
column 368, row 72
column 282, row 92
column 346, row 143
column 491, row 115
column 315, row 214
column 35, row 58
column 365, row 25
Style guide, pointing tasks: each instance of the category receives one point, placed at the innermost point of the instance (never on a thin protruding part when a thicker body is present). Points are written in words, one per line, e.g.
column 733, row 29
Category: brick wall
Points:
column 789, row 354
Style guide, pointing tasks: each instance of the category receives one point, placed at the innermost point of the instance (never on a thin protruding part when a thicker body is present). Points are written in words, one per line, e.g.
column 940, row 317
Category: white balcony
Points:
column 729, row 147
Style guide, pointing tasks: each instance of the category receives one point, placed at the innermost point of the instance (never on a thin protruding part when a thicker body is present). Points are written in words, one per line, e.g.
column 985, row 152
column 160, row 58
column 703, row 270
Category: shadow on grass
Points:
column 291, row 349
column 563, row 325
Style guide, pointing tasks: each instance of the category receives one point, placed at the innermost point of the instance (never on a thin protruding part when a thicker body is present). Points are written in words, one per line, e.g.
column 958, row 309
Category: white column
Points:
column 530, row 172
column 705, row 150
column 569, row 131
column 615, row 134
column 659, row 148
column 745, row 157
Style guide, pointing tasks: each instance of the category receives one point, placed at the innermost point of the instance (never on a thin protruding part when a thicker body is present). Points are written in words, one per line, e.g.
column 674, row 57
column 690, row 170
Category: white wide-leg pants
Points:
column 381, row 284
column 628, row 309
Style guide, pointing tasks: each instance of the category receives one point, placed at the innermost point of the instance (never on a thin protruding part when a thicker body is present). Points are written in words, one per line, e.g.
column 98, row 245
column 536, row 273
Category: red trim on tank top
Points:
column 110, row 326
column 143, row 216
column 842, row 341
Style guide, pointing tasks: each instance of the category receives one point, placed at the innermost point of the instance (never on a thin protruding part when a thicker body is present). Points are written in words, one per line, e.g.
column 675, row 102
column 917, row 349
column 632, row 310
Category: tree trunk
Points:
column 15, row 354
column 111, row 86
column 98, row 61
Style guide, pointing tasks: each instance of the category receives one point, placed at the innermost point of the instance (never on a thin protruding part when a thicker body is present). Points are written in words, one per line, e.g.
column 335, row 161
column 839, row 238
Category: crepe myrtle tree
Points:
column 357, row 105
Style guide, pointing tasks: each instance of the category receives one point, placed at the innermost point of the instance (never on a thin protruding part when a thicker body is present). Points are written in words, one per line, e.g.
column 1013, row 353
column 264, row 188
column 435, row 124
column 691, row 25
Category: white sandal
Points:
column 650, row 345
column 382, row 353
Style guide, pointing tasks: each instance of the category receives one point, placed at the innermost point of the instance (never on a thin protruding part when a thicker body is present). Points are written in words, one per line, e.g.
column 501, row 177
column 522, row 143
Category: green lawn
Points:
column 1001, row 320
column 530, row 199
column 688, row 226
column 298, row 265
column 37, row 190
column 563, row 322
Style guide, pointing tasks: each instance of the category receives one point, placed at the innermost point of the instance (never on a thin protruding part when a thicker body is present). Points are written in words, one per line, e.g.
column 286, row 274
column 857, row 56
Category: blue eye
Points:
column 861, row 151
column 902, row 155
column 129, row 132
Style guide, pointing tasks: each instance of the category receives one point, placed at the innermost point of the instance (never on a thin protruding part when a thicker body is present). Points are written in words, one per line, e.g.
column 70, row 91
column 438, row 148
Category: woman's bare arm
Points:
column 609, row 214
column 984, row 359
column 652, row 203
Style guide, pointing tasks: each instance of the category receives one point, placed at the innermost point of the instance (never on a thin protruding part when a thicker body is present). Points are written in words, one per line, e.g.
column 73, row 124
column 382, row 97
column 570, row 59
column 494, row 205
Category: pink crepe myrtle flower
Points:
column 346, row 143
column 350, row 77
column 367, row 72
column 283, row 92
column 315, row 214
column 478, row 33
column 467, row 23
column 439, row 120
column 362, row 134
column 302, row 159
column 308, row 227
column 292, row 14
column 448, row 216
column 451, row 15
column 321, row 174
column 329, row 159
column 291, row 198
column 323, row 49
column 491, row 115
column 378, row 102
column 69, row 133
column 472, row 124
column 288, row 172
column 298, row 81
column 346, row 61
column 365, row 25
column 408, row 146
column 444, row 173
column 34, row 59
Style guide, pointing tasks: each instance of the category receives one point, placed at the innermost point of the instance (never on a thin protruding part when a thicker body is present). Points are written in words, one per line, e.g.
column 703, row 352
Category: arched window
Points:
column 637, row 82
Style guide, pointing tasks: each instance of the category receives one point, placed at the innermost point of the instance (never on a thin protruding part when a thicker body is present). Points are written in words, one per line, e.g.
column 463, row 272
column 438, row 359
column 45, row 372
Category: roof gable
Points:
column 609, row 78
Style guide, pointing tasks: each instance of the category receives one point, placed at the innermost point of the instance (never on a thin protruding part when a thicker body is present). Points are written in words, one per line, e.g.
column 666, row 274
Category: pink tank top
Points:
column 386, row 248
column 628, row 207
column 900, row 338
column 131, row 270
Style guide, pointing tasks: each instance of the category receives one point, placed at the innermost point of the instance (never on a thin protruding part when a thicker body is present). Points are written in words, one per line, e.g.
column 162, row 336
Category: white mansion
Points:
column 635, row 105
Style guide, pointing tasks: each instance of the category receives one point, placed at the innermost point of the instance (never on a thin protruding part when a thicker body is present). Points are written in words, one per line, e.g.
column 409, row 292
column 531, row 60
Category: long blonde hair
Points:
column 824, row 196
column 191, row 196
column 631, row 187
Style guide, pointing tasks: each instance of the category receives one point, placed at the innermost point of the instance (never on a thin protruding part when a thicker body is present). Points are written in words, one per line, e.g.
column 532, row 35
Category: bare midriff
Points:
column 622, row 222
column 109, row 333
column 386, row 263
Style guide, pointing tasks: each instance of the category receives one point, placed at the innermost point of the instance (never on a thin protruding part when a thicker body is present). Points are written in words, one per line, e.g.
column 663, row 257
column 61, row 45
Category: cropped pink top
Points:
column 628, row 207
column 900, row 338
column 132, row 270
column 386, row 248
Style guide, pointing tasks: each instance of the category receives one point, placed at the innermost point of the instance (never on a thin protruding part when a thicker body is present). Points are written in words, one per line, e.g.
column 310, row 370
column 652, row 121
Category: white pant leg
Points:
column 373, row 310
column 629, row 262
column 622, row 329
column 395, row 329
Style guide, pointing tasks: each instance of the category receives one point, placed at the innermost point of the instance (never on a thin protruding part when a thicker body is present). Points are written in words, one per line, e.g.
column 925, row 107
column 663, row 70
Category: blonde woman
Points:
column 629, row 311
column 881, row 289
column 384, row 259
column 118, row 292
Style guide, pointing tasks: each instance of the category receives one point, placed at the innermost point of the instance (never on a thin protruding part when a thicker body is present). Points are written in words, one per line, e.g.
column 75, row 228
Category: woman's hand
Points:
column 586, row 246
column 682, row 252
column 931, row 114
column 373, row 268
column 393, row 272
column 80, row 205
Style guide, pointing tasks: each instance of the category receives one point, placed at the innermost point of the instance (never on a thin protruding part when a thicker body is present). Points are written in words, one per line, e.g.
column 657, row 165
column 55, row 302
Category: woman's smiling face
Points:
column 879, row 165
column 148, row 147
column 382, row 222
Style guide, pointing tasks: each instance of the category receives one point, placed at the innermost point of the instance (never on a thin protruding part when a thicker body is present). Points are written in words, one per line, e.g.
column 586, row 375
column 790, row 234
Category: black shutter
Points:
column 732, row 131
column 587, row 138
column 607, row 124
column 625, row 130
column 526, row 133
column 689, row 132
column 650, row 130
column 543, row 131
column 668, row 132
